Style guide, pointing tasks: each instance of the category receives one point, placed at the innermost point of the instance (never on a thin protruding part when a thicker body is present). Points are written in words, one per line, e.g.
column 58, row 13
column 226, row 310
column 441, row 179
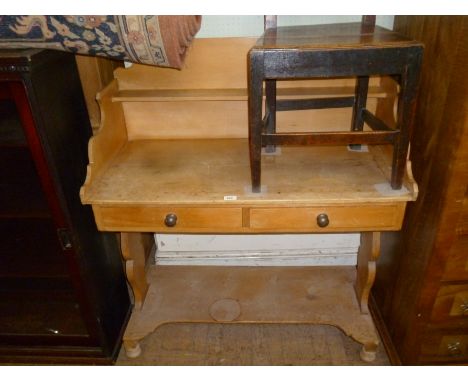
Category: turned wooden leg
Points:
column 135, row 250
column 132, row 348
column 255, row 84
column 369, row 251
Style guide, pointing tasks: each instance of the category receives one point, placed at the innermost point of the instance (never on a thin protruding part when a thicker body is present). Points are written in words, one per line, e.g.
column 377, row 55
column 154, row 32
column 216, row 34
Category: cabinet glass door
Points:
column 36, row 293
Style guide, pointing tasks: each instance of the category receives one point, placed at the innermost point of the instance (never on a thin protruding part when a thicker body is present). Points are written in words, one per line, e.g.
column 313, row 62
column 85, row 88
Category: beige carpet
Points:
column 248, row 344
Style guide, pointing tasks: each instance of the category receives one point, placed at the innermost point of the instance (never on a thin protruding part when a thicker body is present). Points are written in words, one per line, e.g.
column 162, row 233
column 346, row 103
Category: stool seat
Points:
column 331, row 36
column 330, row 51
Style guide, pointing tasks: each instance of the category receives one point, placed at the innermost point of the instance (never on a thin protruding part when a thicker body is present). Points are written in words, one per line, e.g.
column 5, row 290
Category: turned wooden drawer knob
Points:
column 464, row 307
column 322, row 220
column 454, row 349
column 170, row 220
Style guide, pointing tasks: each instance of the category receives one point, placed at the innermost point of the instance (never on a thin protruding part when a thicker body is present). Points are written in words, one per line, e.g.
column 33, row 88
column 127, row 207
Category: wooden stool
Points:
column 324, row 51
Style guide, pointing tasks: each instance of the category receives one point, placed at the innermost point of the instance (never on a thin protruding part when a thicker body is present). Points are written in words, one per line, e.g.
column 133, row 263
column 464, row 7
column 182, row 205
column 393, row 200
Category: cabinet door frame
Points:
column 20, row 89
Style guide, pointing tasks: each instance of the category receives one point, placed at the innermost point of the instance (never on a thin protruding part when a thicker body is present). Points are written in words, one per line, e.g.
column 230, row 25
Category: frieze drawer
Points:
column 169, row 219
column 329, row 218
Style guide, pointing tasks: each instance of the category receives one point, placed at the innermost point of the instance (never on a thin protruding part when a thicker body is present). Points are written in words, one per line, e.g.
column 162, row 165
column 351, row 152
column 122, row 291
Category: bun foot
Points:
column 367, row 355
column 132, row 349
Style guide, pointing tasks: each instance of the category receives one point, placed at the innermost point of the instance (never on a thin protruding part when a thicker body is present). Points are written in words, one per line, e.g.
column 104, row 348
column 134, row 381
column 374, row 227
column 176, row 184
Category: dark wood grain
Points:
column 368, row 21
column 359, row 104
column 333, row 36
column 297, row 64
column 314, row 103
column 331, row 138
column 270, row 21
column 255, row 83
column 412, row 265
column 271, row 108
column 406, row 110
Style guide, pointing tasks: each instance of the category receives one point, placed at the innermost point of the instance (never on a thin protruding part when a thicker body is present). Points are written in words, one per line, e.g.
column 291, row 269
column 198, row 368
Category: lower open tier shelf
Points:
column 315, row 295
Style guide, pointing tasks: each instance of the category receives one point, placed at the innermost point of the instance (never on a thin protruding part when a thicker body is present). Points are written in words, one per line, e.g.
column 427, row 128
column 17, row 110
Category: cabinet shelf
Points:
column 27, row 312
column 21, row 193
column 240, row 94
column 14, row 205
column 31, row 249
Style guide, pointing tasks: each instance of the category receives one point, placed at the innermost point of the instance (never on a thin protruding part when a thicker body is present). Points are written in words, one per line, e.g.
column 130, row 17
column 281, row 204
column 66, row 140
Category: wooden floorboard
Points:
column 249, row 344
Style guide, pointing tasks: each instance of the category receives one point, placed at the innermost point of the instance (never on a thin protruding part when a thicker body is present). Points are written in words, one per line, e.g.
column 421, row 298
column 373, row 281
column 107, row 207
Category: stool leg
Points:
column 360, row 99
column 405, row 117
column 270, row 106
column 255, row 83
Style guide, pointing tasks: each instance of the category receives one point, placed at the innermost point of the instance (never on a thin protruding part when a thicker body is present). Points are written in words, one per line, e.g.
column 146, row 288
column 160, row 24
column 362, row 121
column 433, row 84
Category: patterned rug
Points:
column 152, row 40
